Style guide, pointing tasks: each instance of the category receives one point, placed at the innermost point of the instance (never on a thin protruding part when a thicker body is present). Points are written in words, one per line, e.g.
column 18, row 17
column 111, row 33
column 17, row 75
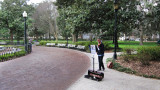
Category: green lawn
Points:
column 133, row 44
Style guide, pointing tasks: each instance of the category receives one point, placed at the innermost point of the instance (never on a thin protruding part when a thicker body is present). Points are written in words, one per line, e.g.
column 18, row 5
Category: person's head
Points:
column 99, row 40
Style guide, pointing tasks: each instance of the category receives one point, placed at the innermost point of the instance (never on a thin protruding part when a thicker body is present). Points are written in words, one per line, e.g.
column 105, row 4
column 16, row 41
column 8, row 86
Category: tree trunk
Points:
column 49, row 35
column 141, row 35
column 81, row 36
column 11, row 36
column 53, row 27
column 36, row 37
column 91, row 37
column 159, row 35
column 74, row 38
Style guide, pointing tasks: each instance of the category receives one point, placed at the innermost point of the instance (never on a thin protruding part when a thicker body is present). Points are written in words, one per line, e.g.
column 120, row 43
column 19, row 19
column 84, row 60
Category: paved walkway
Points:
column 49, row 68
column 46, row 68
column 114, row 80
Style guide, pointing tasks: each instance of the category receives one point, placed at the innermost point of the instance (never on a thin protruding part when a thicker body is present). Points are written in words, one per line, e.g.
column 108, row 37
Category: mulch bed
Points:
column 152, row 69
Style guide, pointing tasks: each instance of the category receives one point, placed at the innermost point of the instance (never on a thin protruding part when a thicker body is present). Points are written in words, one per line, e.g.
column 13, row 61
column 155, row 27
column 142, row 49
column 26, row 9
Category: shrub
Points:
column 151, row 53
column 146, row 54
column 106, row 45
column 43, row 43
column 12, row 55
column 128, row 51
column 127, row 54
column 125, row 57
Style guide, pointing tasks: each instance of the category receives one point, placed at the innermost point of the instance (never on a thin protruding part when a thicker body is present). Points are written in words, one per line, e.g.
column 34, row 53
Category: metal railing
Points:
column 7, row 53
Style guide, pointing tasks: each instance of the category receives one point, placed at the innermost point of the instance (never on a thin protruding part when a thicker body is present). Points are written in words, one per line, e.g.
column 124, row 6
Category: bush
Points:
column 43, row 43
column 128, row 51
column 128, row 55
column 146, row 54
column 152, row 52
column 12, row 55
column 106, row 45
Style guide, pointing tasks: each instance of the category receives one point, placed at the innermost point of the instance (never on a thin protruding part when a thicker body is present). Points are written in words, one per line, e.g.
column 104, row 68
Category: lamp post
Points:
column 115, row 29
column 25, row 36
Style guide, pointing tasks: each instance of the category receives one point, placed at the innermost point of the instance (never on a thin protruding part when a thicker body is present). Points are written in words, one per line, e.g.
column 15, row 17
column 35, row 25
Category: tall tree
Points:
column 45, row 18
column 11, row 16
column 156, row 22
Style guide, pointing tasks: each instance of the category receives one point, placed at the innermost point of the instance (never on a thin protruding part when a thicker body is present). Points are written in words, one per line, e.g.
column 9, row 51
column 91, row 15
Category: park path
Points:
column 46, row 68
column 115, row 80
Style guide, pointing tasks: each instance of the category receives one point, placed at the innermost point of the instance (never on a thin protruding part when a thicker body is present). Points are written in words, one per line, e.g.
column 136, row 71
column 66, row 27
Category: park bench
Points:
column 71, row 46
column 36, row 43
column 3, row 43
column 61, row 45
column 2, row 48
column 80, row 47
column 50, row 44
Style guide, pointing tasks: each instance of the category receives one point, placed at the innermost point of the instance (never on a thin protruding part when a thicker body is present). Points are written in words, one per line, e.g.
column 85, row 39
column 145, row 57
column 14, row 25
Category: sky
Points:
column 35, row 1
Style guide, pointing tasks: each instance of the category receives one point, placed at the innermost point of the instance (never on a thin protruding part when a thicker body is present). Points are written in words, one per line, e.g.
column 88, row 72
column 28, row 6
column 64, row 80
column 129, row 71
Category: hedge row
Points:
column 83, row 43
column 9, row 56
column 151, row 53
column 142, row 54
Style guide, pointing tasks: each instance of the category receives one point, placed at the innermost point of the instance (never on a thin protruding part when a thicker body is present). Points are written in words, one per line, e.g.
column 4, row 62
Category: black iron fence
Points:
column 8, row 53
column 17, row 43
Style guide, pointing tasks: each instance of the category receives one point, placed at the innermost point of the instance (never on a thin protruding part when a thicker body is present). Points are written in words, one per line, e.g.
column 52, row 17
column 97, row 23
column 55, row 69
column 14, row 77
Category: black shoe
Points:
column 99, row 70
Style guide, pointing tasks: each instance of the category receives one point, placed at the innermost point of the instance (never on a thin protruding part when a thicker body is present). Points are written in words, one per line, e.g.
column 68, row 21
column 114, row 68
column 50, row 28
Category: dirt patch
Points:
column 152, row 69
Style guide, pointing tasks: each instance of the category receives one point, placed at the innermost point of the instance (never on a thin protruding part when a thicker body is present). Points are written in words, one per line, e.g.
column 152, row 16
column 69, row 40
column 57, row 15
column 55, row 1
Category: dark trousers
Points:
column 100, row 59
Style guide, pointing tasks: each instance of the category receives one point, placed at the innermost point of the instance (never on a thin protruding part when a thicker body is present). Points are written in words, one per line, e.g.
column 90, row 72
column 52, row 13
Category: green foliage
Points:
column 85, row 16
column 83, row 43
column 128, row 51
column 143, row 54
column 106, row 45
column 12, row 55
column 149, row 53
column 11, row 16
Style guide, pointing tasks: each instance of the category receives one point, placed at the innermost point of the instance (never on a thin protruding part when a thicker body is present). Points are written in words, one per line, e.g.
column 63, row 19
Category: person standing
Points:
column 100, row 52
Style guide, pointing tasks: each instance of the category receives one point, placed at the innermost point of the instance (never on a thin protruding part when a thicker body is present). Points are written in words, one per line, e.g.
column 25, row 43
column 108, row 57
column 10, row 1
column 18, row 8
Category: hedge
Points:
column 152, row 52
column 83, row 43
column 9, row 56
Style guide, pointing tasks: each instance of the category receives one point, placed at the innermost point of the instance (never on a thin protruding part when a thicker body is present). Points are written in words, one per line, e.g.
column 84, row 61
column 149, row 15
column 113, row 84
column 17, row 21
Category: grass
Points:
column 133, row 44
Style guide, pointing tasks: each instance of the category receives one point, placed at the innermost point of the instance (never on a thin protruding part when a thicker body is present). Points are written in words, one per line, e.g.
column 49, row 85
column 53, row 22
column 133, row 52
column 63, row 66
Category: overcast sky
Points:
column 35, row 1
column 38, row 1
